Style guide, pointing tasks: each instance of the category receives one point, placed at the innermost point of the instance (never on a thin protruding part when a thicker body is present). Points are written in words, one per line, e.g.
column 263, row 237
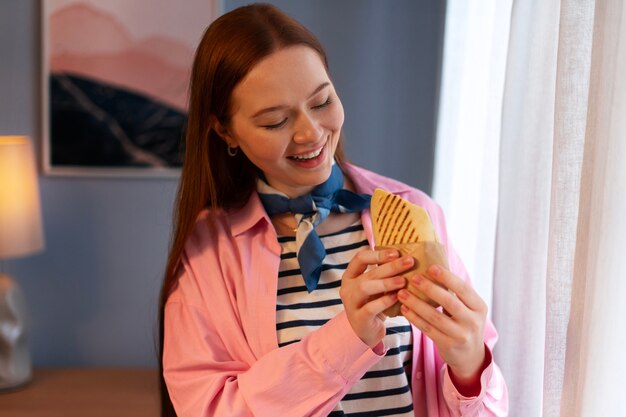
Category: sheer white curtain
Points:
column 468, row 130
column 559, row 282
column 596, row 338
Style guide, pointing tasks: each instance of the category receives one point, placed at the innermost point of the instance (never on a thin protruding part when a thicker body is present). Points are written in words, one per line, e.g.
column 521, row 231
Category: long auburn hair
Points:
column 230, row 47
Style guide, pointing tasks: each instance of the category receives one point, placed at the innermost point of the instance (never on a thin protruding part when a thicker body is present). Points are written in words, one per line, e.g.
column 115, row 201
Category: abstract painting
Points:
column 115, row 80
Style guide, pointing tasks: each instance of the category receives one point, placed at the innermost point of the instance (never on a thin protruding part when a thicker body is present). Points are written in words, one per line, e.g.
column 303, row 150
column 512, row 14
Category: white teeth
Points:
column 311, row 155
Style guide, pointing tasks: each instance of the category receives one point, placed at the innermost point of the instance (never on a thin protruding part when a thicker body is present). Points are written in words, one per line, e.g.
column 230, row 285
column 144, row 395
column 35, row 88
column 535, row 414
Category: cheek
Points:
column 262, row 149
column 250, row 139
column 265, row 151
column 335, row 117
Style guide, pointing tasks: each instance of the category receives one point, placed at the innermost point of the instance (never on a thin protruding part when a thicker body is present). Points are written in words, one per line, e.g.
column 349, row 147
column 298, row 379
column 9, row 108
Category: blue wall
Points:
column 92, row 293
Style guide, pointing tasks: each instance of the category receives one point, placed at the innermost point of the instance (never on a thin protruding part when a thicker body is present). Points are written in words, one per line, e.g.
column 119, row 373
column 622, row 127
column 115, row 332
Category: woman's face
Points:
column 286, row 117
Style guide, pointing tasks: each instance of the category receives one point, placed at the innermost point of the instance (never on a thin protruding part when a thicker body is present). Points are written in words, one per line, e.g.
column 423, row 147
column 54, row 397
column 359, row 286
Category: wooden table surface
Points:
column 88, row 392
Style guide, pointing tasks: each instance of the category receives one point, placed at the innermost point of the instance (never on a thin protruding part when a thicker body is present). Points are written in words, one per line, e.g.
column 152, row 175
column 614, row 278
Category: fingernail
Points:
column 434, row 271
column 392, row 254
column 403, row 295
column 399, row 281
column 417, row 280
column 407, row 260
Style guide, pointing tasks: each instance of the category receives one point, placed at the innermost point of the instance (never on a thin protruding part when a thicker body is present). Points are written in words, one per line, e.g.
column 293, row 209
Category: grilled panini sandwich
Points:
column 404, row 226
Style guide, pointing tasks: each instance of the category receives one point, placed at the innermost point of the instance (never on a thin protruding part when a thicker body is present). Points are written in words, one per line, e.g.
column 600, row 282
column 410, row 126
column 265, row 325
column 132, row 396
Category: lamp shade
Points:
column 21, row 231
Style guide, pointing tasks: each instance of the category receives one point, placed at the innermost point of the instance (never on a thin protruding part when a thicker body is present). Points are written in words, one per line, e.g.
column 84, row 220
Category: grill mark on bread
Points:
column 397, row 221
column 382, row 206
column 384, row 224
column 405, row 224
column 410, row 238
column 393, row 233
column 383, row 210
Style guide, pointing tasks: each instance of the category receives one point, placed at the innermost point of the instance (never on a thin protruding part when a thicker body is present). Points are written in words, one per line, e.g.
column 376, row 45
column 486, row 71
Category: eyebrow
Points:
column 275, row 108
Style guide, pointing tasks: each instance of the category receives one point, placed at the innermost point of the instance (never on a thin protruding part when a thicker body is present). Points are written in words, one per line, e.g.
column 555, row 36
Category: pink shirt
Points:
column 221, row 355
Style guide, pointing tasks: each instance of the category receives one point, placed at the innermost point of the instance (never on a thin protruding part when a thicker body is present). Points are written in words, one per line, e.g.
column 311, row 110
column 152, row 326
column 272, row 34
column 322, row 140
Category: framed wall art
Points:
column 115, row 79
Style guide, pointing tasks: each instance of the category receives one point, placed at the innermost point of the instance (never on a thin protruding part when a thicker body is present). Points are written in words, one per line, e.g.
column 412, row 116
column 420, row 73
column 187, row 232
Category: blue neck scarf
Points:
column 310, row 210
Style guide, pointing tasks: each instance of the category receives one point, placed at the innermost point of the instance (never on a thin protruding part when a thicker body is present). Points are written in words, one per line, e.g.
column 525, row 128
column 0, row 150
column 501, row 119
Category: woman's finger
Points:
column 462, row 289
column 378, row 286
column 366, row 257
column 429, row 315
column 380, row 304
column 389, row 269
column 447, row 299
column 424, row 326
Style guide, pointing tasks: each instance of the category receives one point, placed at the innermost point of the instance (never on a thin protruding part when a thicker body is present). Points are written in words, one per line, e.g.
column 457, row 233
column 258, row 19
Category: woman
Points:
column 273, row 298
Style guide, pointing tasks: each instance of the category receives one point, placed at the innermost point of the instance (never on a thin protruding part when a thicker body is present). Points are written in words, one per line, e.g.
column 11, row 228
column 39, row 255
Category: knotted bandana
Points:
column 310, row 210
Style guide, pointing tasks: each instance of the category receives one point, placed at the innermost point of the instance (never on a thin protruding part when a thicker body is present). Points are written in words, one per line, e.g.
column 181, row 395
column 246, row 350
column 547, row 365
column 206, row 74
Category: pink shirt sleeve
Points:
column 306, row 378
column 492, row 400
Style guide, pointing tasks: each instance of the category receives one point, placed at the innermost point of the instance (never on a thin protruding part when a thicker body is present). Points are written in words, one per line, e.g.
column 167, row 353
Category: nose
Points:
column 307, row 129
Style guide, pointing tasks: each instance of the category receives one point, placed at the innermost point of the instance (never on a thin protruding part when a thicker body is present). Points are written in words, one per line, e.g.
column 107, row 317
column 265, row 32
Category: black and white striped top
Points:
column 384, row 390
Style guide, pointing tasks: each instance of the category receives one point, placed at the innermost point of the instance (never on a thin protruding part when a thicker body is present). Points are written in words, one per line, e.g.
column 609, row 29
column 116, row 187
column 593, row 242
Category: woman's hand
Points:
column 363, row 293
column 458, row 330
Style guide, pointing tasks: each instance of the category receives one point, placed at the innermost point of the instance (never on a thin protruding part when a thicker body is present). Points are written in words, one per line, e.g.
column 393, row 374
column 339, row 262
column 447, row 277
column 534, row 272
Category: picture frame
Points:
column 115, row 80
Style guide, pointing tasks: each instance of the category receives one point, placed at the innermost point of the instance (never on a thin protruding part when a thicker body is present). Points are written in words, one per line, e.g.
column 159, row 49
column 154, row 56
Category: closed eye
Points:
column 276, row 125
column 324, row 104
column 283, row 122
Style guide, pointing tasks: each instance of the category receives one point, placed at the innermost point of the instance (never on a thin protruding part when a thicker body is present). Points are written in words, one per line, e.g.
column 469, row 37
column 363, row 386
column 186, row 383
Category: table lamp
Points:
column 21, row 234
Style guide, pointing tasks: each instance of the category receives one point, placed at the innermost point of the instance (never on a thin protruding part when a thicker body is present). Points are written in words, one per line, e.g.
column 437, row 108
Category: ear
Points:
column 223, row 132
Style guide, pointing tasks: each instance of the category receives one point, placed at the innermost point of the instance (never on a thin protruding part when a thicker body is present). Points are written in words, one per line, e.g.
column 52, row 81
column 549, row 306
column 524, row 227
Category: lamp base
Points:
column 15, row 362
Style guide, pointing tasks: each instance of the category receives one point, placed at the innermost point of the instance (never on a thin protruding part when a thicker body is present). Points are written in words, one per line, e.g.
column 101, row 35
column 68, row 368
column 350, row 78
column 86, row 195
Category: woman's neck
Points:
column 285, row 224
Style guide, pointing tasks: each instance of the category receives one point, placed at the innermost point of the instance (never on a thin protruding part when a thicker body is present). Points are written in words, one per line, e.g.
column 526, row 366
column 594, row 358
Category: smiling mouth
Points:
column 307, row 156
